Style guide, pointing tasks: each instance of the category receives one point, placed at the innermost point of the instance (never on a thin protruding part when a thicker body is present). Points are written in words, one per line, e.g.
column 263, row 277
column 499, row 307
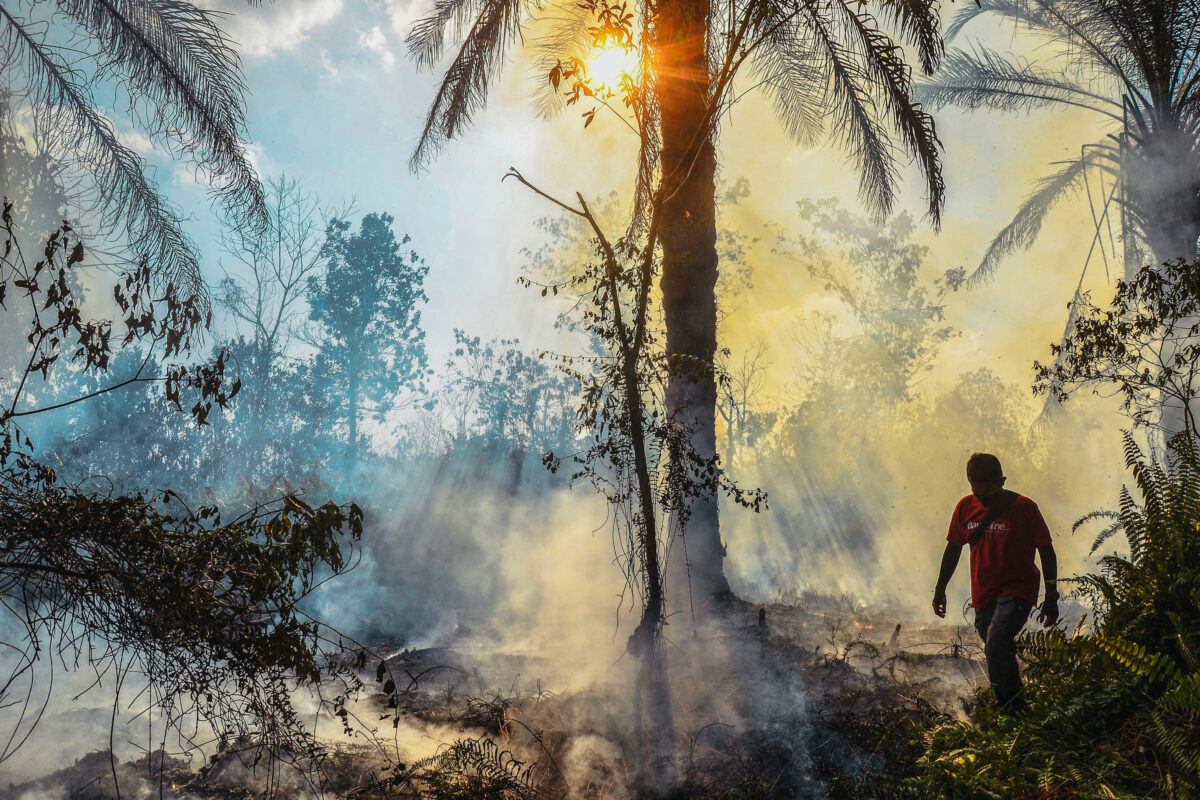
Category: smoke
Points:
column 865, row 409
column 478, row 549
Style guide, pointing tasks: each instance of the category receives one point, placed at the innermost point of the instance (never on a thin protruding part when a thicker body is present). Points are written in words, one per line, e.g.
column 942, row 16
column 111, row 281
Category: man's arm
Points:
column 949, row 563
column 1049, row 613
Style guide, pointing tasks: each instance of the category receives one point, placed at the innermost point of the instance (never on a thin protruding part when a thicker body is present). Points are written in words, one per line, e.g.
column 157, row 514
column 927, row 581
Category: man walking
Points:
column 1003, row 529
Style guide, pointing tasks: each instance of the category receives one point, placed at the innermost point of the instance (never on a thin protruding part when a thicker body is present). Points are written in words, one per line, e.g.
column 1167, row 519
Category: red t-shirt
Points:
column 1002, row 561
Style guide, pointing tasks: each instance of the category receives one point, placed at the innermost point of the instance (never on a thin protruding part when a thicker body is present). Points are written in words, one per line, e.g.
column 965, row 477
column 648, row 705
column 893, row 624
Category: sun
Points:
column 610, row 64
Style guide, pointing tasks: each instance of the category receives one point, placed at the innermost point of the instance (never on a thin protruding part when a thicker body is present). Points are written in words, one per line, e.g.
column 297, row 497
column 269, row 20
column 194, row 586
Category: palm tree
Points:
column 829, row 68
column 1134, row 63
column 183, row 82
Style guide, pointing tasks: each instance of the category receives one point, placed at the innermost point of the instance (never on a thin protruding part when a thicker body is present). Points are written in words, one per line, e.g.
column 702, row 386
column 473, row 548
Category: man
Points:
column 1004, row 580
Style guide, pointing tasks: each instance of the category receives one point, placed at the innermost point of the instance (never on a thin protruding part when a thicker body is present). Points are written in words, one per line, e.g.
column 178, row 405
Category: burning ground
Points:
column 810, row 698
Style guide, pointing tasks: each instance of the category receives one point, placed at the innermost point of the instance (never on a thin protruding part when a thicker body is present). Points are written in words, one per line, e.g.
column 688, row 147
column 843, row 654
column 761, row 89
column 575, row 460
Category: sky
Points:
column 334, row 101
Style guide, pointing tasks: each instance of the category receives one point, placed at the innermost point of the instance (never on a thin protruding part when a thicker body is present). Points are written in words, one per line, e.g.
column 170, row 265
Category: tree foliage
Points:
column 890, row 316
column 49, row 291
column 208, row 614
column 1140, row 176
column 501, row 393
column 1114, row 709
column 205, row 616
column 1142, row 347
column 367, row 305
column 830, row 68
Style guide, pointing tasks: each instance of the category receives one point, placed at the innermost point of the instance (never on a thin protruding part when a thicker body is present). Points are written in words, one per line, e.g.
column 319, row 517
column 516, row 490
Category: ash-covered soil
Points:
column 810, row 699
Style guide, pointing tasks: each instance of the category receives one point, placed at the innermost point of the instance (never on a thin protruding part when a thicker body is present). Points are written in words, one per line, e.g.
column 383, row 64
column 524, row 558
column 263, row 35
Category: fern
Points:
column 1154, row 667
column 1114, row 710
column 475, row 768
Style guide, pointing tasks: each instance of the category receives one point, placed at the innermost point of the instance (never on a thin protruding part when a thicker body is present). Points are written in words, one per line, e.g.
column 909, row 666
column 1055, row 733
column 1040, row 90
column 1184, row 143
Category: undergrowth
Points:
column 1114, row 706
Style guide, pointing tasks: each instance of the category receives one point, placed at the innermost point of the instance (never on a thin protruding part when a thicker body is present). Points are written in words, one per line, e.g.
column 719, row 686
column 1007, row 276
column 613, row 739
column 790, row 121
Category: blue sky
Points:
column 334, row 100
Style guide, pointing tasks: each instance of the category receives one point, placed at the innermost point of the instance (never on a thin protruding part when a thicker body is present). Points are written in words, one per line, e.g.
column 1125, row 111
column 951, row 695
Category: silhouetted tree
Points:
column 370, row 344
column 1142, row 348
column 500, row 393
column 877, row 273
column 265, row 294
column 738, row 402
column 1136, row 65
column 206, row 613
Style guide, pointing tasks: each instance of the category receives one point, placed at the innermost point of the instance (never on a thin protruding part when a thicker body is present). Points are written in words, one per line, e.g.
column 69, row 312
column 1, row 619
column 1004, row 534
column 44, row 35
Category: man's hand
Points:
column 1049, row 613
column 945, row 572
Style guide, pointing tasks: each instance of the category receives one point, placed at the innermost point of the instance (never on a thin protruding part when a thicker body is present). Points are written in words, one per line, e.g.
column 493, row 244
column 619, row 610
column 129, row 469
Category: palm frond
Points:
column 1019, row 11
column 565, row 35
column 463, row 91
column 649, row 153
column 892, row 78
column 982, row 78
column 426, row 40
column 792, row 65
column 174, row 55
column 855, row 114
column 1091, row 37
column 130, row 200
column 920, row 21
column 1025, row 226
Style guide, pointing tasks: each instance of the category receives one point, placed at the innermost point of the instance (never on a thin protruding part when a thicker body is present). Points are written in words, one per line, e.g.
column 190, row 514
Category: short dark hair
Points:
column 984, row 466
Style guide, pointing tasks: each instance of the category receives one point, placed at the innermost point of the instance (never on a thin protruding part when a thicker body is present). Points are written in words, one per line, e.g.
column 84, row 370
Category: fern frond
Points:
column 1185, row 640
column 1115, row 526
column 478, row 767
column 1105, row 535
column 1178, row 739
column 1046, row 647
column 1183, row 697
column 1154, row 667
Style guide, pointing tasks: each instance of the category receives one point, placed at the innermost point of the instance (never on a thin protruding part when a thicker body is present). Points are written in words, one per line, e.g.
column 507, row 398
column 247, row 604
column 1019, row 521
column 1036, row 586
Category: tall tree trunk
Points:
column 689, row 278
column 1167, row 196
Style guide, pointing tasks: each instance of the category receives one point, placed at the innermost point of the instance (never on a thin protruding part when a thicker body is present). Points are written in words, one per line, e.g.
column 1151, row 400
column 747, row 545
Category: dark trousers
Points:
column 998, row 625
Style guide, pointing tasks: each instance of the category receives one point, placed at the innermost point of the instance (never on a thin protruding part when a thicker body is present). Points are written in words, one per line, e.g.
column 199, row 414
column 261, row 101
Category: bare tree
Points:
column 266, row 292
column 738, row 388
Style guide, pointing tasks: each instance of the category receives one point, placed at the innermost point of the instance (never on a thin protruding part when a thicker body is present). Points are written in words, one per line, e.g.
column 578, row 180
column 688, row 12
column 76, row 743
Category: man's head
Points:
column 985, row 475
